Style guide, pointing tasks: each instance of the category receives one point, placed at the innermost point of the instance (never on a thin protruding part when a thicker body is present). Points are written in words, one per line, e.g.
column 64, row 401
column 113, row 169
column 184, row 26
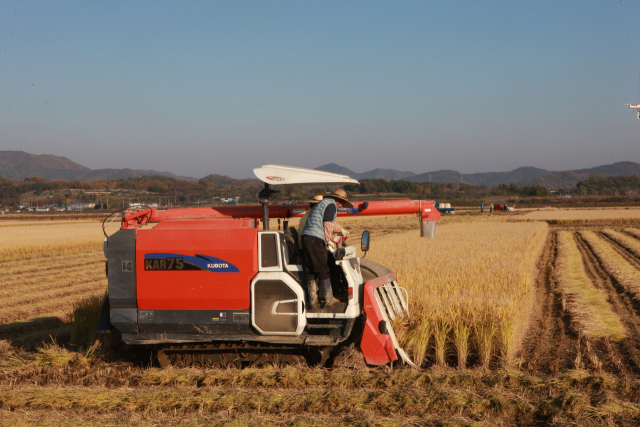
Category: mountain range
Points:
column 18, row 165
column 522, row 176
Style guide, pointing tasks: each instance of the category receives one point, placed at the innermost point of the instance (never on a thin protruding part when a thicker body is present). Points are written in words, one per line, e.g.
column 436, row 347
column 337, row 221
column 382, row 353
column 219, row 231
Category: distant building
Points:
column 81, row 206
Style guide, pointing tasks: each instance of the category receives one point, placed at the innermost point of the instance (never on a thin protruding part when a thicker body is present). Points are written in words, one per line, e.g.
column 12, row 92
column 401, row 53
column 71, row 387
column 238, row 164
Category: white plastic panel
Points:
column 295, row 287
column 290, row 175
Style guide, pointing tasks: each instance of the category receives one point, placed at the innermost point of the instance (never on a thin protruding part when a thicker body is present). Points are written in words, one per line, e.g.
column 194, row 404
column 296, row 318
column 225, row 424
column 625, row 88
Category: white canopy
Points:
column 289, row 175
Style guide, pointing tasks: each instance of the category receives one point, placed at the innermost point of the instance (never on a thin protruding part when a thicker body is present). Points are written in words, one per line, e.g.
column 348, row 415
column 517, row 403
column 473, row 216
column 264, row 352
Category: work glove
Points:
column 332, row 246
column 345, row 234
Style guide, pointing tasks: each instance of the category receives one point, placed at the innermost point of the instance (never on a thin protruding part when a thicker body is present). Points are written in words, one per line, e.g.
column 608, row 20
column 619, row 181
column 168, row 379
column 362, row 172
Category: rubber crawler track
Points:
column 234, row 355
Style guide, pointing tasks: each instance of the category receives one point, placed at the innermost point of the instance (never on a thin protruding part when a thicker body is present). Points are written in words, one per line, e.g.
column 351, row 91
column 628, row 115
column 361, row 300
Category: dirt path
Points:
column 622, row 357
column 549, row 346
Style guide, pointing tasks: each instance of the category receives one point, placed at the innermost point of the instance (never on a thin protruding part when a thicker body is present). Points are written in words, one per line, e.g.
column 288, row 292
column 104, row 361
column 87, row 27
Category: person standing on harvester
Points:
column 318, row 231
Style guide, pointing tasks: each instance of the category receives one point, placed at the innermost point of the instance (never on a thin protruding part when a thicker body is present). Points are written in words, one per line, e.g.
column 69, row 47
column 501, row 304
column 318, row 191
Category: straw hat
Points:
column 316, row 197
column 341, row 196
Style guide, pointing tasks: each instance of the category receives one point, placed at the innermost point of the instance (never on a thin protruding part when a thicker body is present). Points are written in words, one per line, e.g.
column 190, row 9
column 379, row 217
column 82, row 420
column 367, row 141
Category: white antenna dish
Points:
column 290, row 175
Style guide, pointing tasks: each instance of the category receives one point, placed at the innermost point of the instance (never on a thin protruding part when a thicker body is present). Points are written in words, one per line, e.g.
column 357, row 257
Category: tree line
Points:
column 147, row 189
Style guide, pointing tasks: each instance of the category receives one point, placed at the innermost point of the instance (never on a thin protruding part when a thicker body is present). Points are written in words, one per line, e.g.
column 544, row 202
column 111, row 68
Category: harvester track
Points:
column 548, row 348
column 234, row 355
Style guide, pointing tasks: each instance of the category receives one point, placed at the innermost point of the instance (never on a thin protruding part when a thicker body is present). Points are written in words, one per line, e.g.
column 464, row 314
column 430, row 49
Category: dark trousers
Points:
column 315, row 253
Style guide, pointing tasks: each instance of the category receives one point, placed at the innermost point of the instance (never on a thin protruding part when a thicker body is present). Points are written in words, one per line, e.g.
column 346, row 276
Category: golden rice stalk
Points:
column 461, row 333
column 440, row 333
column 485, row 329
column 475, row 268
column 507, row 338
column 420, row 339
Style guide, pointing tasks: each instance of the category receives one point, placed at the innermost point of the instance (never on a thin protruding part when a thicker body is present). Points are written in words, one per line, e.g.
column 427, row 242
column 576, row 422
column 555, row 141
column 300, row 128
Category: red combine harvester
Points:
column 211, row 289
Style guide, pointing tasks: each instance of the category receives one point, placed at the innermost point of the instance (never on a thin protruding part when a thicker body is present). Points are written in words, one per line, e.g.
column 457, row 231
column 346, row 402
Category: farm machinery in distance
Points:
column 209, row 288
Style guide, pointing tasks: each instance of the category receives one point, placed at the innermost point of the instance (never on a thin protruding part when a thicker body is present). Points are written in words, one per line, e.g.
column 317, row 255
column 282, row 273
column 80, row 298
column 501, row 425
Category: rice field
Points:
column 471, row 287
column 513, row 323
column 46, row 267
column 44, row 239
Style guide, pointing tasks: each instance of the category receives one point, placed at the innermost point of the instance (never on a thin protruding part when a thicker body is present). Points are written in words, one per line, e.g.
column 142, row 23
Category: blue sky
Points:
column 196, row 88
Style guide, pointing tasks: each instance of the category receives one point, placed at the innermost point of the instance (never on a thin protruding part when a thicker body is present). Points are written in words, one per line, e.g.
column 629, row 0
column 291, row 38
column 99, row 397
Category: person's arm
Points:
column 330, row 212
column 329, row 229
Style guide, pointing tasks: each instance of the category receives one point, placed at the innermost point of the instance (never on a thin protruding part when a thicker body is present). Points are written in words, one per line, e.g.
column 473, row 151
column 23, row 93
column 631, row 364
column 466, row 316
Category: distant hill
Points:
column 388, row 174
column 568, row 179
column 19, row 165
column 335, row 168
column 522, row 176
column 490, row 179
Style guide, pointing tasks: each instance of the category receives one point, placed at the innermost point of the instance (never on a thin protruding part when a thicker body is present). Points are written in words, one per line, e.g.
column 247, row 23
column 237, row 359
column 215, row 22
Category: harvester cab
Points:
column 212, row 289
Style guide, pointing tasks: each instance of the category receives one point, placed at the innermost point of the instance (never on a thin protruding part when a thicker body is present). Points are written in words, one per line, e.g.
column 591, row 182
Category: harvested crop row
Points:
column 56, row 308
column 585, row 215
column 45, row 265
column 4, row 224
column 603, row 221
column 52, row 269
column 614, row 263
column 570, row 405
column 411, row 402
column 628, row 242
column 590, row 311
column 23, row 289
column 53, row 279
column 57, row 239
column 72, row 288
column 472, row 286
column 633, row 231
column 56, row 366
column 42, row 251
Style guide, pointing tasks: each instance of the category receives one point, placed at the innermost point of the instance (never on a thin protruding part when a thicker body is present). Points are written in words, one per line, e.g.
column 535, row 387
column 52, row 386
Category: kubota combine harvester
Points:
column 211, row 289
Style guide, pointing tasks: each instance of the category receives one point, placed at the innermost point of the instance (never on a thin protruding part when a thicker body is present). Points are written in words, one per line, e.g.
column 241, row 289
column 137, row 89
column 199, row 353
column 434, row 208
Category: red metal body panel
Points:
column 211, row 223
column 377, row 347
column 425, row 209
column 181, row 266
